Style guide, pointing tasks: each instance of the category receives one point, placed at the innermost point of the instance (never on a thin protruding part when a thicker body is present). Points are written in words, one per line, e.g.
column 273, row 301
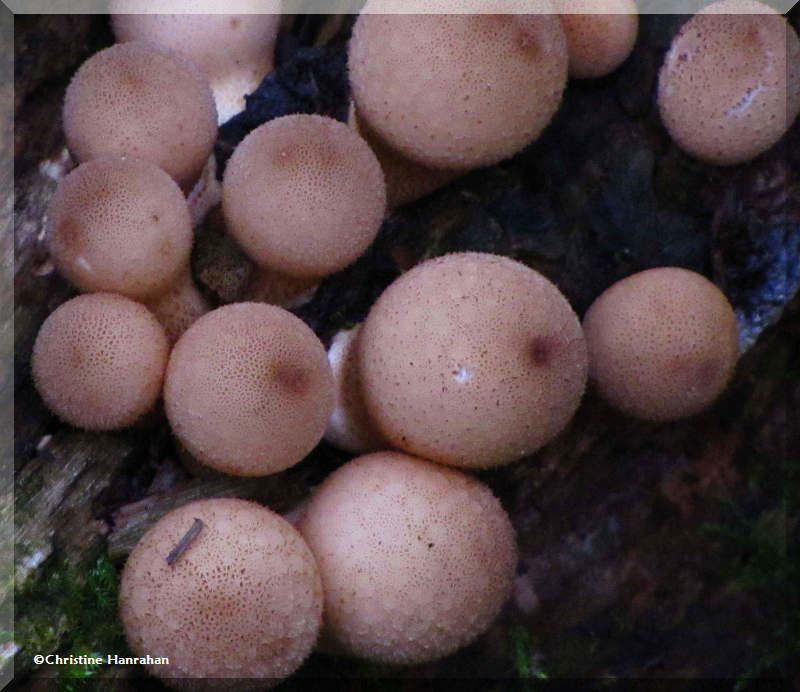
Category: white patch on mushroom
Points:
column 745, row 101
column 83, row 263
column 462, row 375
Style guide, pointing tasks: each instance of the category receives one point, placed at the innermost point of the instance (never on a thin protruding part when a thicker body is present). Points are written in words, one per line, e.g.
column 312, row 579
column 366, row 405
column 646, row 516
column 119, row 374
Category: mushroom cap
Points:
column 416, row 559
column 600, row 34
column 406, row 180
column 98, row 361
column 730, row 84
column 244, row 600
column 248, row 389
column 119, row 225
column 472, row 360
column 234, row 51
column 458, row 91
column 304, row 195
column 663, row 343
column 138, row 99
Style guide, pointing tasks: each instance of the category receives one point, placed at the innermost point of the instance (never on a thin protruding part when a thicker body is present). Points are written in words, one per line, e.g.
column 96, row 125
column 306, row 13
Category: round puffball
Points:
column 663, row 343
column 472, row 360
column 242, row 601
column 729, row 87
column 303, row 195
column 416, row 559
column 248, row 389
column 120, row 225
column 137, row 99
column 457, row 91
column 99, row 360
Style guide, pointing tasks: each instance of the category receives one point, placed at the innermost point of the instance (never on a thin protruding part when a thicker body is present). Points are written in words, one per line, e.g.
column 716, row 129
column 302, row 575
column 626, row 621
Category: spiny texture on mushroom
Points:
column 458, row 91
column 135, row 98
column 99, row 360
column 242, row 601
column 598, row 43
column 472, row 360
column 119, row 225
column 416, row 559
column 248, row 389
column 234, row 51
column 304, row 195
column 662, row 343
column 730, row 84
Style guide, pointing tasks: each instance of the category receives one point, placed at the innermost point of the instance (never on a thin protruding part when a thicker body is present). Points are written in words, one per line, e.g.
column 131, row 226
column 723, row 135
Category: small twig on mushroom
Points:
column 184, row 543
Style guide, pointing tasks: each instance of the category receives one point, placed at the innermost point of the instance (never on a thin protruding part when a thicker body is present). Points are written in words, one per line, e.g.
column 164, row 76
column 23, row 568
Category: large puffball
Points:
column 472, row 360
column 237, row 605
column 416, row 559
column 457, row 91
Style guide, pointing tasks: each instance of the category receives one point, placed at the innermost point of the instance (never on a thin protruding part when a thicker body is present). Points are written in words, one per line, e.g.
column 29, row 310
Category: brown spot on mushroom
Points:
column 291, row 378
column 541, row 350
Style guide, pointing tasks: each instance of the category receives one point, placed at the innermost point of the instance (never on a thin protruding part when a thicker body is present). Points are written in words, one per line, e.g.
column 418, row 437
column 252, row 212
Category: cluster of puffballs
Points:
column 466, row 361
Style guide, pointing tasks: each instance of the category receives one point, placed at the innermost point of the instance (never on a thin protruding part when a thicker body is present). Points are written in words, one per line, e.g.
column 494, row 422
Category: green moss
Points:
column 527, row 661
column 756, row 561
column 71, row 610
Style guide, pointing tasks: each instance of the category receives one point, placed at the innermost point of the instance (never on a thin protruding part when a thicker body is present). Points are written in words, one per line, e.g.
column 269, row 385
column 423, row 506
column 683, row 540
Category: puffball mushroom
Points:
column 416, row 559
column 240, row 605
column 729, row 87
column 119, row 225
column 349, row 427
column 600, row 35
column 303, row 195
column 122, row 225
column 457, row 91
column 663, row 343
column 98, row 361
column 137, row 99
column 248, row 389
column 472, row 360
column 234, row 51
column 406, row 180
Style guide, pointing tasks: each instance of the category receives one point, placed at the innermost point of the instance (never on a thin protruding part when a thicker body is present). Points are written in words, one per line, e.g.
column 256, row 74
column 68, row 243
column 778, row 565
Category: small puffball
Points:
column 137, row 99
column 600, row 34
column 303, row 195
column 473, row 360
column 729, row 87
column 663, row 343
column 119, row 225
column 458, row 91
column 239, row 606
column 99, row 360
column 248, row 389
column 416, row 559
